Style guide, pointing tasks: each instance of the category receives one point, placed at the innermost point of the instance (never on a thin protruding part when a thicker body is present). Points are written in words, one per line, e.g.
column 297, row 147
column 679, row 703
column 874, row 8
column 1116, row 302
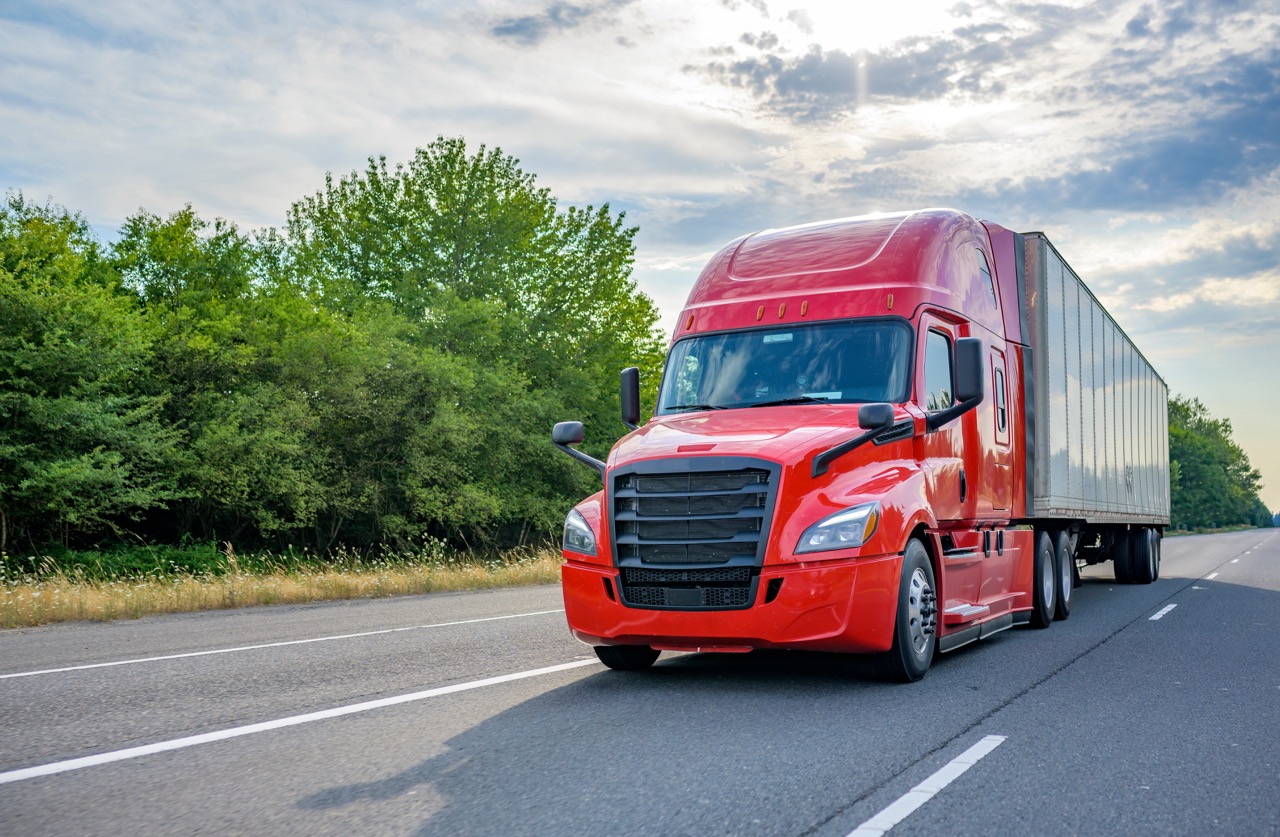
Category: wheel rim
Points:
column 1047, row 580
column 922, row 612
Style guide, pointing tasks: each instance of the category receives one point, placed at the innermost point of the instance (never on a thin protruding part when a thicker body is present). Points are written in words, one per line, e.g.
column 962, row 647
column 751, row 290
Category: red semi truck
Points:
column 892, row 434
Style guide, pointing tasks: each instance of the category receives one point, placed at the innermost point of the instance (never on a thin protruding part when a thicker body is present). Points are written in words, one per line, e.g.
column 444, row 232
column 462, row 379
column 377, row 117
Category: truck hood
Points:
column 785, row 434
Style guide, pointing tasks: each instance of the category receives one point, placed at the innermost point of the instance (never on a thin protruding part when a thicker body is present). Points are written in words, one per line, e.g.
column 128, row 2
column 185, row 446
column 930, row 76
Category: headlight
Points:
column 842, row 530
column 578, row 536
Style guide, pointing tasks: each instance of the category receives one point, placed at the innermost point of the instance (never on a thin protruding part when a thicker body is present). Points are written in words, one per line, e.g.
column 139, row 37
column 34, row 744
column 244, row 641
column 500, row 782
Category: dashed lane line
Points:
column 1158, row 616
column 906, row 804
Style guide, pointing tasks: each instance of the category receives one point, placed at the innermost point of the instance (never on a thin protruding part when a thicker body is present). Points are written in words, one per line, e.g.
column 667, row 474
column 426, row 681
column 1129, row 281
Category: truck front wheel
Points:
column 915, row 628
column 626, row 657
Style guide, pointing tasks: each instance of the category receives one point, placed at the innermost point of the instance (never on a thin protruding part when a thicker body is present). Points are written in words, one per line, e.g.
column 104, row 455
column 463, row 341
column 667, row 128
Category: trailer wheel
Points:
column 1044, row 583
column 915, row 628
column 626, row 657
column 1144, row 557
column 1065, row 564
column 1122, row 557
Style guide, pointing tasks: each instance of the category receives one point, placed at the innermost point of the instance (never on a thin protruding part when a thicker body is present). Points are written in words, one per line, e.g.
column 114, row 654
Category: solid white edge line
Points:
column 906, row 804
column 1161, row 614
column 274, row 644
column 236, row 732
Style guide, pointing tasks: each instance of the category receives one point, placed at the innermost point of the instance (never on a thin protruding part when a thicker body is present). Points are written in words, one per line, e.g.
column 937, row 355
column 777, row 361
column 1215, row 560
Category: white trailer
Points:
column 1098, row 422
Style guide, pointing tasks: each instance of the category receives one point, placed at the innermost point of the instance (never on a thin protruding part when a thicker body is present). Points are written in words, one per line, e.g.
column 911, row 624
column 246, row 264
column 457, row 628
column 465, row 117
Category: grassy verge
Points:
column 1171, row 532
column 92, row 586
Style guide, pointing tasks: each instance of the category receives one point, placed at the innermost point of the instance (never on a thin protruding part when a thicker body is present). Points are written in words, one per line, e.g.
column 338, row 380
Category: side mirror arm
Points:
column 935, row 420
column 874, row 418
column 568, row 433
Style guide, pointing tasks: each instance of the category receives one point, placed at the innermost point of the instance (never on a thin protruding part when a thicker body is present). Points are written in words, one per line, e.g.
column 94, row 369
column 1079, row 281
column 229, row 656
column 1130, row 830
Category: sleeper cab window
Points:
column 1002, row 407
column 937, row 372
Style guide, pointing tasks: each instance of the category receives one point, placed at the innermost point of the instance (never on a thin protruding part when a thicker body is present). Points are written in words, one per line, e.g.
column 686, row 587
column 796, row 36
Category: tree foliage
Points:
column 82, row 442
column 1212, row 483
column 385, row 368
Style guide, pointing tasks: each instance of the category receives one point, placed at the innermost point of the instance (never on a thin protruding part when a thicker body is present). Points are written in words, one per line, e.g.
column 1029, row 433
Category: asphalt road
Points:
column 1112, row 722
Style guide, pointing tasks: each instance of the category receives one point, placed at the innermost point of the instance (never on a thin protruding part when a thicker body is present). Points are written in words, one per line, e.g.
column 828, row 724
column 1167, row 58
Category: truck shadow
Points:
column 661, row 746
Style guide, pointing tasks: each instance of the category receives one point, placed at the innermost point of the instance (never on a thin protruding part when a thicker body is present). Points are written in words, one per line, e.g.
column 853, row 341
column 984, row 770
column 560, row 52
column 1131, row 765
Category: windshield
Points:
column 836, row 362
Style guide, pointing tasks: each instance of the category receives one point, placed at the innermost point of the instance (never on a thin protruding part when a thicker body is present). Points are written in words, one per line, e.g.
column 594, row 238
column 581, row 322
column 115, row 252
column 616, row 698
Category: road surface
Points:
column 1152, row 710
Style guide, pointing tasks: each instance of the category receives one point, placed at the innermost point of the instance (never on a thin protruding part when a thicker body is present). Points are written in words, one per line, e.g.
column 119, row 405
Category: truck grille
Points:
column 691, row 519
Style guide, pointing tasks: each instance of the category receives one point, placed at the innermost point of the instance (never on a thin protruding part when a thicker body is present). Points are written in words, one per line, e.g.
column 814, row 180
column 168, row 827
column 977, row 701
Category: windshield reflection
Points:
column 836, row 362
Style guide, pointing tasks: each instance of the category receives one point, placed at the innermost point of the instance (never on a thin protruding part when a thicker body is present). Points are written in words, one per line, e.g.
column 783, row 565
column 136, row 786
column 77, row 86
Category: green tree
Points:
column 1213, row 483
column 83, row 446
column 485, row 265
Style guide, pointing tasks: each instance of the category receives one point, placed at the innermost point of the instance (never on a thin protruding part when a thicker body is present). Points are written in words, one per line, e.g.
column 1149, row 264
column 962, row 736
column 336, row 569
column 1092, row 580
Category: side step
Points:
column 951, row 642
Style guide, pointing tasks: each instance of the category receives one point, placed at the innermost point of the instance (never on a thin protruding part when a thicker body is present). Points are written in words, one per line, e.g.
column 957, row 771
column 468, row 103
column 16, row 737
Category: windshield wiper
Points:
column 697, row 407
column 798, row 399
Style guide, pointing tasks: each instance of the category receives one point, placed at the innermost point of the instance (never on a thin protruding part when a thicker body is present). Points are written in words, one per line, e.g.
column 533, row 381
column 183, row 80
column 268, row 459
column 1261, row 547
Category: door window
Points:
column 938, row 389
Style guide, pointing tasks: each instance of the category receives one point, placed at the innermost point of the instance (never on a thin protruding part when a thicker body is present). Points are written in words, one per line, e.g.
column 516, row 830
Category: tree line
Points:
column 1212, row 483
column 384, row 368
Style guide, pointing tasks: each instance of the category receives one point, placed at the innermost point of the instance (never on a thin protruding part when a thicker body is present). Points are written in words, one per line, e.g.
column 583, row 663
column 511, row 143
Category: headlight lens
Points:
column 578, row 536
column 842, row 530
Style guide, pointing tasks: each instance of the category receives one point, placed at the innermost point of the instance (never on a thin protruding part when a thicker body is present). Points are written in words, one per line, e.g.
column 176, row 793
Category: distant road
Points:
column 1152, row 710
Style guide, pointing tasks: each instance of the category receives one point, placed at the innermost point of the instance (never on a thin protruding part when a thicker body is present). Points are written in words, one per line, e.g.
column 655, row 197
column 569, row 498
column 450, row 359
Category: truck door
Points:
column 949, row 461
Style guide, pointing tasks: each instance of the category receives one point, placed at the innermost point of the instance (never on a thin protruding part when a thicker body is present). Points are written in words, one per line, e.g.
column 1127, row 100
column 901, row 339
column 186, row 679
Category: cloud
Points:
column 531, row 30
column 1226, row 134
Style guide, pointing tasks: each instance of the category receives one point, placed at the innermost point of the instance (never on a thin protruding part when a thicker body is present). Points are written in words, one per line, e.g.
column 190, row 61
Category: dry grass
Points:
column 58, row 597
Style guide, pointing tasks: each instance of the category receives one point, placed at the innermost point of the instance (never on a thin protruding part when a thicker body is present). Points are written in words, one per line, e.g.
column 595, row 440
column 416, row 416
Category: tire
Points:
column 626, row 657
column 1157, row 538
column 1122, row 557
column 1044, row 583
column 1065, row 571
column 1144, row 557
column 915, row 626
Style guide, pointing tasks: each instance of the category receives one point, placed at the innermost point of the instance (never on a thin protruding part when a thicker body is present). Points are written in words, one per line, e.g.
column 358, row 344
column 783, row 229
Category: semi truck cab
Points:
column 841, row 458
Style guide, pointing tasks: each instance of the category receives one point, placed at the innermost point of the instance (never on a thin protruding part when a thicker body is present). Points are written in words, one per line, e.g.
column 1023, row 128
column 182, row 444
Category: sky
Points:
column 1142, row 137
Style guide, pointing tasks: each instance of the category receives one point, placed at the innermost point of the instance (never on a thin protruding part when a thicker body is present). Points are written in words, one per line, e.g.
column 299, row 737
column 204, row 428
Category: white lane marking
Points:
column 926, row 790
column 1161, row 614
column 236, row 732
column 276, row 644
column 1235, row 560
column 1210, row 576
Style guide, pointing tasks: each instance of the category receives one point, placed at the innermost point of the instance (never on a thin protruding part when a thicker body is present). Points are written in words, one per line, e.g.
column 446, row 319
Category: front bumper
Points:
column 845, row 606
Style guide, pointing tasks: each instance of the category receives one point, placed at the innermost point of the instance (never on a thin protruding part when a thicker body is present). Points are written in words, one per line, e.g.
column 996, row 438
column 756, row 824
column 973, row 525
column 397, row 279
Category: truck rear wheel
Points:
column 1065, row 564
column 915, row 627
column 1144, row 556
column 626, row 657
column 1044, row 583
